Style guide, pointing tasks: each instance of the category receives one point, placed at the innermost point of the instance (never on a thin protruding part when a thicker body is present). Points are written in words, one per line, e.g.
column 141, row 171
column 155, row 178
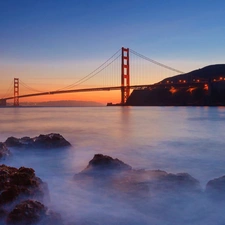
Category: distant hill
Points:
column 65, row 103
column 210, row 93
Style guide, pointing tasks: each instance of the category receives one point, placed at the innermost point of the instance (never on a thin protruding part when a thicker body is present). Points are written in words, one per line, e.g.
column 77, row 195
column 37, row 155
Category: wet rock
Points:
column 27, row 212
column 4, row 151
column 48, row 141
column 13, row 142
column 16, row 184
column 20, row 193
column 31, row 212
column 216, row 188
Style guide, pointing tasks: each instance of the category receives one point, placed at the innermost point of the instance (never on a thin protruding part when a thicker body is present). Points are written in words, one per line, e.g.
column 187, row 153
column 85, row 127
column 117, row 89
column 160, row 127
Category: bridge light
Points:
column 206, row 87
column 198, row 80
column 221, row 78
column 184, row 81
column 214, row 79
column 180, row 80
column 173, row 90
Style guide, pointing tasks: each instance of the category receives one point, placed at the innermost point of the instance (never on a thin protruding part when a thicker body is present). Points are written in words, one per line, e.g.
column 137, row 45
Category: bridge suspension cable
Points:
column 9, row 90
column 99, row 69
column 28, row 87
column 84, row 79
column 155, row 62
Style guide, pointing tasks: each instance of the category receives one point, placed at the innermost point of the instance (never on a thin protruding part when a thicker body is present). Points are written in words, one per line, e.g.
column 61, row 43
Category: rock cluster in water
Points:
column 151, row 192
column 105, row 172
column 22, row 193
column 48, row 141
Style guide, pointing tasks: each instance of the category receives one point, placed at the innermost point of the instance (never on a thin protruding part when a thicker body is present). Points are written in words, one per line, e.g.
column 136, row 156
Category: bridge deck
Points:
column 105, row 89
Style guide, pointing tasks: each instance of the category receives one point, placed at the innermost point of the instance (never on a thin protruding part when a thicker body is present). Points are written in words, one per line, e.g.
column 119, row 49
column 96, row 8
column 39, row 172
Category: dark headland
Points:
column 202, row 87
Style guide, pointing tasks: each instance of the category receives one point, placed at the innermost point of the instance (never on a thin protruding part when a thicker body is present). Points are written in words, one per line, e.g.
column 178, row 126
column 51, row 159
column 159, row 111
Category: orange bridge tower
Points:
column 16, row 91
column 125, row 76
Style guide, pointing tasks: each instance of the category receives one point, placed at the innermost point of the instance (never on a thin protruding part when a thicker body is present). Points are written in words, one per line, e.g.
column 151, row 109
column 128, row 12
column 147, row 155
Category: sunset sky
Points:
column 49, row 44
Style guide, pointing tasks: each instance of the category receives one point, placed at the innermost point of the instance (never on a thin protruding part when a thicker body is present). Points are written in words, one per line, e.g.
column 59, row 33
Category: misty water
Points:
column 173, row 139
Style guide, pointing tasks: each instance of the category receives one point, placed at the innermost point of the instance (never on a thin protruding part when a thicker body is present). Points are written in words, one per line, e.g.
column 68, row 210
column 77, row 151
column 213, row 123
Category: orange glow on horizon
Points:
column 100, row 97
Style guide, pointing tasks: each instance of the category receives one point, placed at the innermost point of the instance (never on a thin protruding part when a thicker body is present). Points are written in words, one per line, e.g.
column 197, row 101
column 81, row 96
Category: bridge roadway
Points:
column 108, row 89
column 76, row 90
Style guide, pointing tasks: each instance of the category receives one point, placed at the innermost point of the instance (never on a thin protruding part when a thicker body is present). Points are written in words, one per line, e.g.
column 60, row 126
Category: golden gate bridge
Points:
column 115, row 74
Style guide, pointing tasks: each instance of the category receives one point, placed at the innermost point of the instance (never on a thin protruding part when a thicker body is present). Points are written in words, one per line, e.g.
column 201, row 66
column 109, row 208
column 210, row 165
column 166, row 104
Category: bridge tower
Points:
column 16, row 91
column 125, row 76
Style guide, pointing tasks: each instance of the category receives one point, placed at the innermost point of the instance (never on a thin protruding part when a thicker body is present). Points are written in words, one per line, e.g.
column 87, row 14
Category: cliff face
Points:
column 209, row 92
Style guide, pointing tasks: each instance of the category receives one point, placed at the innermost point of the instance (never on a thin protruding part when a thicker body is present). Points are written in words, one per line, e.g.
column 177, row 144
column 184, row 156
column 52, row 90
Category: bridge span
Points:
column 146, row 86
column 125, row 85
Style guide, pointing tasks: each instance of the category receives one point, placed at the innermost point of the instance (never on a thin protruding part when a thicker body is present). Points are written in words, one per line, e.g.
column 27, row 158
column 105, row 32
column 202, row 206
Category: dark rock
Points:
column 26, row 213
column 31, row 212
column 103, row 163
column 4, row 151
column 216, row 188
column 48, row 141
column 104, row 174
column 20, row 183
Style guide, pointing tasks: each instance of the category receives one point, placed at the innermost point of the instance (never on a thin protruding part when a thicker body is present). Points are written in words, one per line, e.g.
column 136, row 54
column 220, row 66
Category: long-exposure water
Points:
column 174, row 139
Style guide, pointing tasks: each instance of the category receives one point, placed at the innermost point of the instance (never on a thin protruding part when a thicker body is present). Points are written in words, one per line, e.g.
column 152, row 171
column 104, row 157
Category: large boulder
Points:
column 4, row 151
column 103, row 173
column 31, row 212
column 105, row 164
column 17, row 184
column 48, row 141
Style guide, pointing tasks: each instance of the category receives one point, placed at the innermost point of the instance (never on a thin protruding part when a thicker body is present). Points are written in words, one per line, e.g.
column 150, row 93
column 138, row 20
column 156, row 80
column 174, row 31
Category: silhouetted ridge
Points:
column 207, row 72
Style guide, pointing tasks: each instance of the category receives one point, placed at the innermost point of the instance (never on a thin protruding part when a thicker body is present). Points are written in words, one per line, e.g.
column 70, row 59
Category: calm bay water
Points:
column 174, row 139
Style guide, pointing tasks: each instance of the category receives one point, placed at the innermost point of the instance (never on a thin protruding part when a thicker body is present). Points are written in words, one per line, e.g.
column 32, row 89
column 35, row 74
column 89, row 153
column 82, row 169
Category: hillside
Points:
column 210, row 93
column 208, row 72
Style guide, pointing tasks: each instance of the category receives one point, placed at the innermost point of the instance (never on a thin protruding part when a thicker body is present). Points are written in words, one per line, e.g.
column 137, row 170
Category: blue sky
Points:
column 186, row 34
column 66, row 29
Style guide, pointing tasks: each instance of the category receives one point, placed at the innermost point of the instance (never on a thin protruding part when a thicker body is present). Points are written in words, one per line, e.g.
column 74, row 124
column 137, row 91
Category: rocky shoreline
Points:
column 23, row 195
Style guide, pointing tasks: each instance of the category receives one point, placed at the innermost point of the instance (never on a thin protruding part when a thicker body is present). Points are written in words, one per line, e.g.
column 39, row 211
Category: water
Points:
column 174, row 139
